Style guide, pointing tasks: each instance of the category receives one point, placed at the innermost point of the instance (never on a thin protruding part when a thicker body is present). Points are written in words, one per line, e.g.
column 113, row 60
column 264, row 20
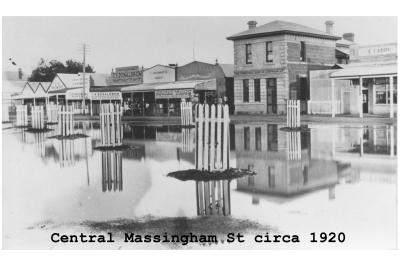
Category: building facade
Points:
column 272, row 62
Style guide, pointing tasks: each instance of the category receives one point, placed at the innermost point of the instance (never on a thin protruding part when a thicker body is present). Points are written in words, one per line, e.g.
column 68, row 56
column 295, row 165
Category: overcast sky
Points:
column 125, row 41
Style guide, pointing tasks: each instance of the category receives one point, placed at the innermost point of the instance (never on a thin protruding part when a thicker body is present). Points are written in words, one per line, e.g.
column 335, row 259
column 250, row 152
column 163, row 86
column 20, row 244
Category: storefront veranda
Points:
column 163, row 99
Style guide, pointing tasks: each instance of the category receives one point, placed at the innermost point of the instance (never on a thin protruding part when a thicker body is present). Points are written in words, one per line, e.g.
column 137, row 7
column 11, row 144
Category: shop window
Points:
column 382, row 90
column 257, row 92
column 258, row 138
column 302, row 51
column 246, row 139
column 248, row 54
column 246, row 90
column 269, row 55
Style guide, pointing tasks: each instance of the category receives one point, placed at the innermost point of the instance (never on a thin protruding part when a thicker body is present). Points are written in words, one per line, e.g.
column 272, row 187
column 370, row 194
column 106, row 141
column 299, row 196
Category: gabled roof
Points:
column 227, row 69
column 99, row 80
column 45, row 85
column 278, row 27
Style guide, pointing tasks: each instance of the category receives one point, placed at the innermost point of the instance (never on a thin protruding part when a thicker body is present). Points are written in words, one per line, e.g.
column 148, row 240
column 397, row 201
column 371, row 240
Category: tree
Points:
column 46, row 71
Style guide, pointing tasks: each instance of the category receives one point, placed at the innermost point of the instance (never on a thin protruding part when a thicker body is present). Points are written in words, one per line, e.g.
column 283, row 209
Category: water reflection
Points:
column 325, row 172
column 111, row 162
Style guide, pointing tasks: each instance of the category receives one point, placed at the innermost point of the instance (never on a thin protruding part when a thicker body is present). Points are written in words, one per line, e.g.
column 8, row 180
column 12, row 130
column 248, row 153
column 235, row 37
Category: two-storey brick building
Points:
column 272, row 64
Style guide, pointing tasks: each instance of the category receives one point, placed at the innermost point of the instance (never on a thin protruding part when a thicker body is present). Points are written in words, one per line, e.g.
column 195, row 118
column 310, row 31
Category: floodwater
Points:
column 329, row 178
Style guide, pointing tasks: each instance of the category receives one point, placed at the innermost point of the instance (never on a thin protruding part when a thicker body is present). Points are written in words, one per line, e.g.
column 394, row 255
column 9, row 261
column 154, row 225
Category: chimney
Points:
column 349, row 36
column 329, row 26
column 252, row 24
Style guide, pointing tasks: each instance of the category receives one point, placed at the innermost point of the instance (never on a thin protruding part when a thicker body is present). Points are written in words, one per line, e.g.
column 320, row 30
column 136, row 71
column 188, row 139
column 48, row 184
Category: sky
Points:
column 146, row 41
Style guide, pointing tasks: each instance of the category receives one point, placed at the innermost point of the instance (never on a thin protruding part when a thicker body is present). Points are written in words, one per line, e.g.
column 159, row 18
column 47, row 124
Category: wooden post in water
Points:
column 110, row 124
column 293, row 113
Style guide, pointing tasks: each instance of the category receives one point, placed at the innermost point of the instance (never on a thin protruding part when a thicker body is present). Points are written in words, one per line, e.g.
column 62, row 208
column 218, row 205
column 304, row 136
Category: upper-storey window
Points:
column 248, row 54
column 302, row 51
column 269, row 57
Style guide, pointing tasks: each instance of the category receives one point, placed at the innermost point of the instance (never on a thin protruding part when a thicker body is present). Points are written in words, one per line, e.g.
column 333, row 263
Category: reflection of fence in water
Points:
column 39, row 144
column 213, row 197
column 293, row 145
column 111, row 171
column 22, row 115
column 67, row 152
column 212, row 153
column 187, row 143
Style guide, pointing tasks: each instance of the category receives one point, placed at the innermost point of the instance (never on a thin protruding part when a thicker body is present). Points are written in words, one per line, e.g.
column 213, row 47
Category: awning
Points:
column 139, row 88
column 375, row 70
column 210, row 84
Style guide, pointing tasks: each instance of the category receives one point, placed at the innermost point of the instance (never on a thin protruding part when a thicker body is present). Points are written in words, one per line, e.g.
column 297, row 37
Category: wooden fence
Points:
column 66, row 120
column 52, row 112
column 111, row 171
column 37, row 117
column 110, row 124
column 293, row 113
column 22, row 115
column 212, row 153
column 186, row 113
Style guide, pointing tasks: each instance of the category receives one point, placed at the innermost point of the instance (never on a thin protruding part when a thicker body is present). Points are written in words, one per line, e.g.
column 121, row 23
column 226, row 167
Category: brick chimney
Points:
column 329, row 26
column 349, row 36
column 252, row 24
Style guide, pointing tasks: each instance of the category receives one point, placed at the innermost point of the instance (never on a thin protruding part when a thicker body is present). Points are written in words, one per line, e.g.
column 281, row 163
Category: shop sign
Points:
column 110, row 95
column 159, row 74
column 131, row 75
column 377, row 50
column 174, row 93
column 69, row 81
column 76, row 96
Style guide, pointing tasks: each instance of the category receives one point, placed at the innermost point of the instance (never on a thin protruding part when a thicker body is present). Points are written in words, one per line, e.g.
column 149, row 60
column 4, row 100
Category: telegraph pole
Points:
column 83, row 82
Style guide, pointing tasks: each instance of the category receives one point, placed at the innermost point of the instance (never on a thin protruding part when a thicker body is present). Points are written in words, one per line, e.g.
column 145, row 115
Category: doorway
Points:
column 365, row 101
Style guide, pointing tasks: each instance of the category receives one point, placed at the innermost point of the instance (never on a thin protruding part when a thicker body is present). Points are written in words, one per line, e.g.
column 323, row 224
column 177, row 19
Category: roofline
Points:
column 159, row 65
column 282, row 32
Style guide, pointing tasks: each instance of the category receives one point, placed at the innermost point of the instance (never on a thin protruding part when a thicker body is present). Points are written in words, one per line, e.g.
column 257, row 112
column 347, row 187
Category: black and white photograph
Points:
column 199, row 132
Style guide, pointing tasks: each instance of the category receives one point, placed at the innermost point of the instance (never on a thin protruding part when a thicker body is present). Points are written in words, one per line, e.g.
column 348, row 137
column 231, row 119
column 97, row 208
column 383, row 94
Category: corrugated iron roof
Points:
column 227, row 69
column 371, row 70
column 282, row 27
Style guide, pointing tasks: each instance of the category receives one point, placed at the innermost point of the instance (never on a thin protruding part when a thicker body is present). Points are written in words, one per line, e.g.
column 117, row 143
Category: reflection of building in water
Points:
column 371, row 150
column 111, row 165
column 213, row 197
column 282, row 161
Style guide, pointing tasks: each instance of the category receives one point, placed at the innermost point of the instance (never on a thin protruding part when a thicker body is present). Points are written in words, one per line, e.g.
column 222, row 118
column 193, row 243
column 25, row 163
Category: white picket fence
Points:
column 293, row 145
column 52, row 112
column 293, row 113
column 37, row 117
column 110, row 124
column 212, row 153
column 212, row 138
column 186, row 113
column 22, row 115
column 66, row 120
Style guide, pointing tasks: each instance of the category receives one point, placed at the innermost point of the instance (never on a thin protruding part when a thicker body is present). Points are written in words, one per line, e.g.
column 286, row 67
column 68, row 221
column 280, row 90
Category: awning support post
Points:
column 360, row 100
column 391, row 96
column 333, row 98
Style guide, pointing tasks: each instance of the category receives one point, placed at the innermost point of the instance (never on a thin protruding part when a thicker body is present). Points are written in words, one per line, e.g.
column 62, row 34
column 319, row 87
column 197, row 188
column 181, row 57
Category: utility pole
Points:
column 83, row 75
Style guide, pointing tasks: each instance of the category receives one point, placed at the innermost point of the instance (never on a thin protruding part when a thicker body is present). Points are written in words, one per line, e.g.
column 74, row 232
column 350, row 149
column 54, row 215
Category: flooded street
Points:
column 326, row 178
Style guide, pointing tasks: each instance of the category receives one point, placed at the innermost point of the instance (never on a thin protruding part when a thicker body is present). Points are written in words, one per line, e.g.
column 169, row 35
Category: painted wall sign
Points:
column 159, row 74
column 373, row 50
column 174, row 93
column 75, row 95
column 65, row 81
column 111, row 95
column 131, row 75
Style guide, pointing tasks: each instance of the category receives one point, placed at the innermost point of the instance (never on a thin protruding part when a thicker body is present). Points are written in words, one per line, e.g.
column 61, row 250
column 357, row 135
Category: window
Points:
column 246, row 138
column 248, row 54
column 272, row 137
column 271, row 177
column 382, row 90
column 258, row 138
column 269, row 54
column 271, row 96
column 302, row 51
column 257, row 93
column 246, row 90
